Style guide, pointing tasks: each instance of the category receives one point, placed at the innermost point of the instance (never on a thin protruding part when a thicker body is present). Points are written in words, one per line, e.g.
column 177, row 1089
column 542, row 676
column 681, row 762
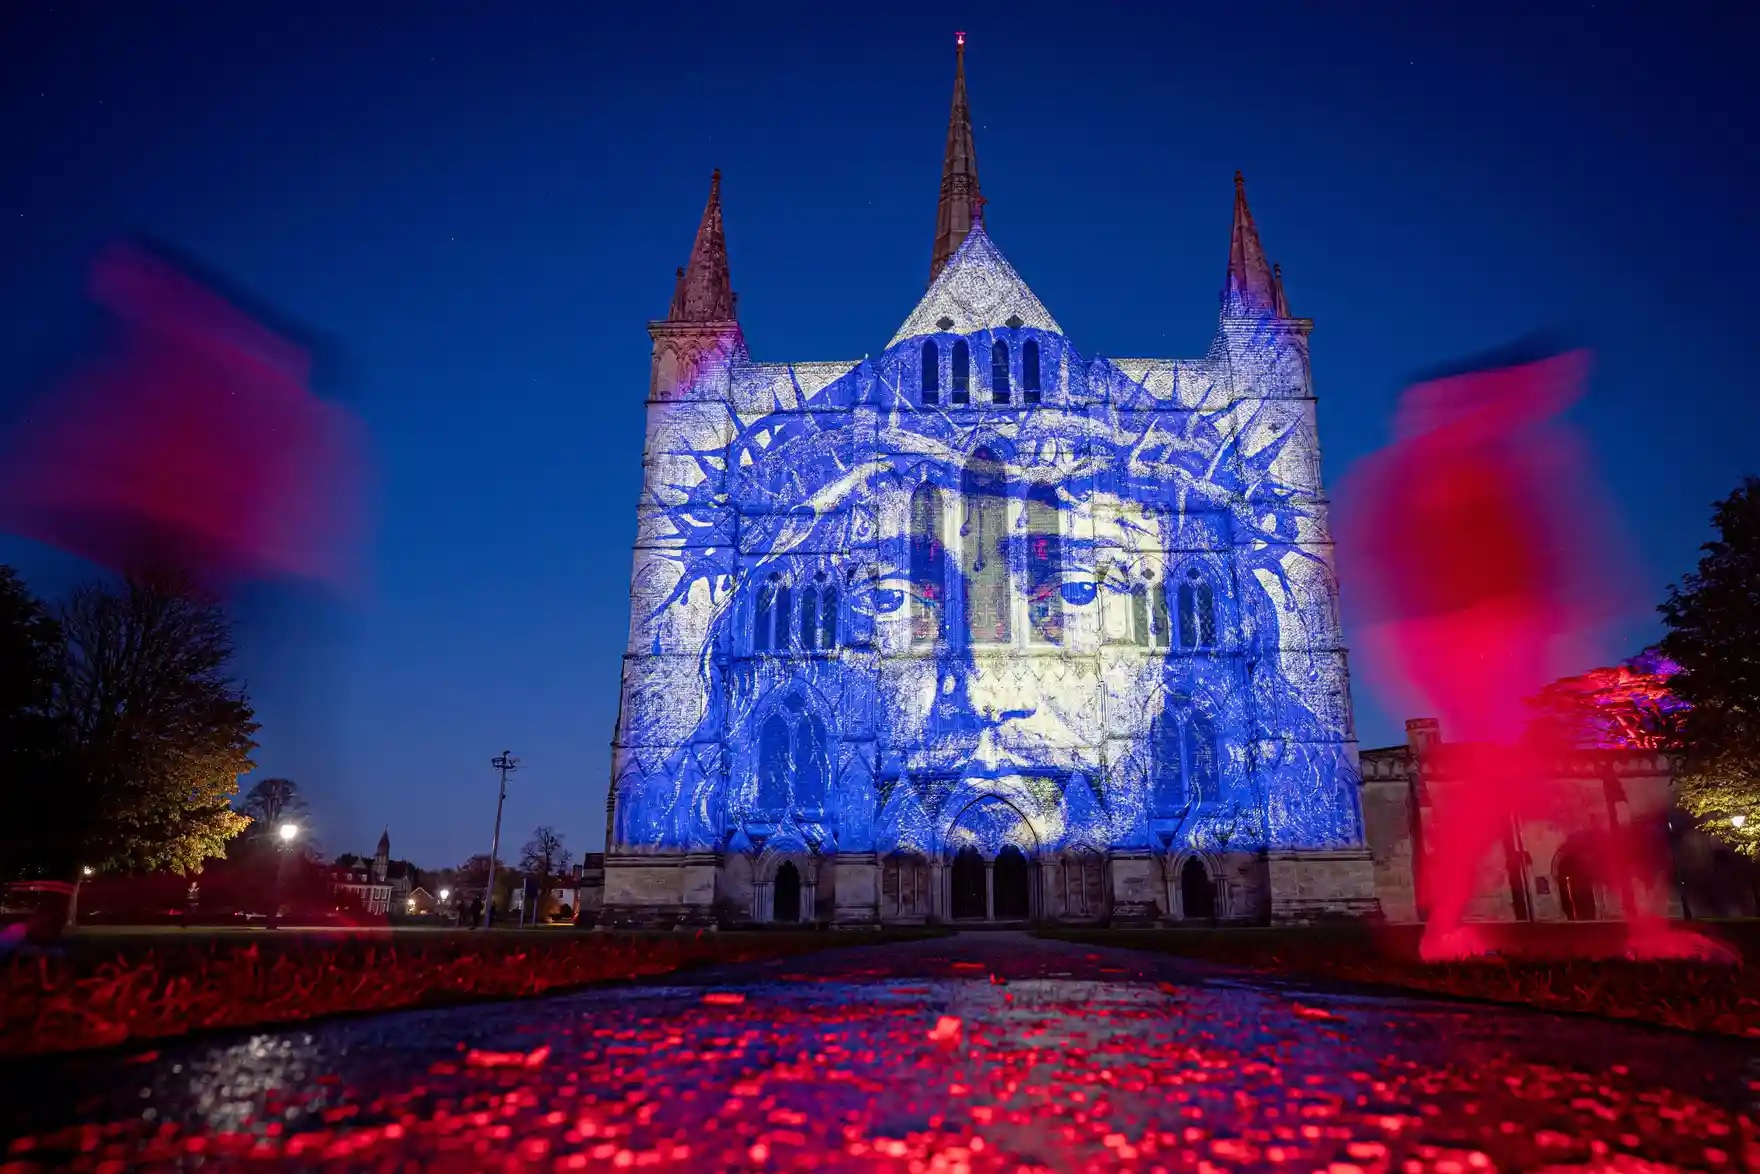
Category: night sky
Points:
column 480, row 207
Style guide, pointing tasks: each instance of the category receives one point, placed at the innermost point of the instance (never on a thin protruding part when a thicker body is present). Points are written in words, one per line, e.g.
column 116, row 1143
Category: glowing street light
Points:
column 446, row 894
column 1736, row 821
column 86, row 871
column 288, row 832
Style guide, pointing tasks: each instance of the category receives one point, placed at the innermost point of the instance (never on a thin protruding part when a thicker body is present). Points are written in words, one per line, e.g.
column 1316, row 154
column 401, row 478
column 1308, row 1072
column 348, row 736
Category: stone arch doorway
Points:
column 969, row 902
column 1013, row 887
column 787, row 906
column 1197, row 892
column 1574, row 878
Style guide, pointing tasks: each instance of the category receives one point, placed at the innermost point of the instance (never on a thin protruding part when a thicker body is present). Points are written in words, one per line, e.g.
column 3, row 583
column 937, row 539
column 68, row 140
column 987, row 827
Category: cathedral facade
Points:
column 982, row 628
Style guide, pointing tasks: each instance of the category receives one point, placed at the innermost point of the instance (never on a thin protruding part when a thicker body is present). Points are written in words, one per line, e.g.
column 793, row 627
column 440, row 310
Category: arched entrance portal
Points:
column 968, row 886
column 787, row 898
column 1196, row 891
column 1010, row 875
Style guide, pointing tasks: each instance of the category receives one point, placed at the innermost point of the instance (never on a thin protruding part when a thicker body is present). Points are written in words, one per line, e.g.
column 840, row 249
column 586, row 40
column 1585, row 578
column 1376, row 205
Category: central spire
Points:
column 961, row 204
column 704, row 290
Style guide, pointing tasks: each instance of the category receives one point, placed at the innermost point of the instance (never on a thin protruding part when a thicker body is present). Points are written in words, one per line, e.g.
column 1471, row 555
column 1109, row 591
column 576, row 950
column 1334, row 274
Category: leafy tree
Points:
column 544, row 857
column 1713, row 620
column 1627, row 706
column 30, row 659
column 158, row 733
column 270, row 802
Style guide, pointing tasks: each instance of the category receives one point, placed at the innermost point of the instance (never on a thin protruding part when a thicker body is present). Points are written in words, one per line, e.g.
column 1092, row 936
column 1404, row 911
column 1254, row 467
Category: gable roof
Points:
column 977, row 290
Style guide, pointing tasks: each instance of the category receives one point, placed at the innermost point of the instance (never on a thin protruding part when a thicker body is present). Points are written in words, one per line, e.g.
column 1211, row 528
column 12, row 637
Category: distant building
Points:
column 1548, row 870
column 377, row 885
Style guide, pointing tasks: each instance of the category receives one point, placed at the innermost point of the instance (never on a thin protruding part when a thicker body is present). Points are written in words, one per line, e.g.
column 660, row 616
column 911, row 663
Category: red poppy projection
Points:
column 193, row 445
column 1472, row 542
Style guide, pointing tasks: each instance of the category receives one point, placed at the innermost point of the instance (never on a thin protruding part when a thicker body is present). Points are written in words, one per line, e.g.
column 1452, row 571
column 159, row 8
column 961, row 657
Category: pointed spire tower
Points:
column 704, row 289
column 961, row 204
column 700, row 334
column 1251, row 290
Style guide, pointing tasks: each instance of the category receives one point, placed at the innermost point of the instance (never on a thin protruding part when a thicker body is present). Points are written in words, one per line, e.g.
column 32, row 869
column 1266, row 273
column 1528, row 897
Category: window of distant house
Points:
column 962, row 373
column 1030, row 372
column 931, row 372
column 999, row 372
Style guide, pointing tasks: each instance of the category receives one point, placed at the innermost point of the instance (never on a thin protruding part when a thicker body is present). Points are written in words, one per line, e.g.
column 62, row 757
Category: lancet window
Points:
column 928, row 567
column 962, row 373
column 989, row 601
column 1197, row 612
column 793, row 758
column 999, row 372
column 1030, row 372
column 1044, row 568
column 931, row 372
column 1185, row 750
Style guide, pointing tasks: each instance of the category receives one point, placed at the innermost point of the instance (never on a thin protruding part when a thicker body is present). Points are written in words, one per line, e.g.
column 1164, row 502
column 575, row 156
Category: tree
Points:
column 158, row 734
column 31, row 652
column 270, row 802
column 1713, row 621
column 544, row 857
column 1628, row 706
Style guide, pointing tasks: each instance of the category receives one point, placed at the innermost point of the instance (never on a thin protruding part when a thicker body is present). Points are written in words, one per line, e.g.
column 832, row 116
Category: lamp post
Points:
column 286, row 834
column 445, row 909
column 504, row 763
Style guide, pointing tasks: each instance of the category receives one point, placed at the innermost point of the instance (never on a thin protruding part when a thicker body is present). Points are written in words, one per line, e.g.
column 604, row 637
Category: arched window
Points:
column 764, row 615
column 818, row 623
column 828, row 616
column 999, row 372
column 794, row 758
column 784, row 613
column 962, row 373
column 931, row 372
column 1149, row 621
column 928, row 567
column 809, row 617
column 988, row 599
column 1197, row 612
column 1044, row 568
column 811, row 763
column 1030, row 371
column 1186, row 767
column 773, row 763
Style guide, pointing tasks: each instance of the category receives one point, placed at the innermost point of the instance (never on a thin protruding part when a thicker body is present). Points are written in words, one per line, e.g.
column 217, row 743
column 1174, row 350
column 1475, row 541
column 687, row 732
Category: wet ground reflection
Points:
column 982, row 1052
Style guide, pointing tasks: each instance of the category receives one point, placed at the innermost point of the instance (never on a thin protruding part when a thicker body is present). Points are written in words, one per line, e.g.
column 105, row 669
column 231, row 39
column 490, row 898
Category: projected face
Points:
column 932, row 606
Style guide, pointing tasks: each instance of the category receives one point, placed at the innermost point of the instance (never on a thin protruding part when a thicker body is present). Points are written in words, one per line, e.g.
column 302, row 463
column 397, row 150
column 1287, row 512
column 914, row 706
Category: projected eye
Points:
column 886, row 600
column 1078, row 592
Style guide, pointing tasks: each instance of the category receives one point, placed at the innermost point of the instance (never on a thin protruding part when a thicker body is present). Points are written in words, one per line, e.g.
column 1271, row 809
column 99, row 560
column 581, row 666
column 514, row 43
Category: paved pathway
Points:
column 981, row 1052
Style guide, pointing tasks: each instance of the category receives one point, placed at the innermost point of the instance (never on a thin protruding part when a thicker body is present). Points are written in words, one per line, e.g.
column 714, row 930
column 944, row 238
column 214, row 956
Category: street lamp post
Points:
column 504, row 763
column 286, row 834
column 446, row 910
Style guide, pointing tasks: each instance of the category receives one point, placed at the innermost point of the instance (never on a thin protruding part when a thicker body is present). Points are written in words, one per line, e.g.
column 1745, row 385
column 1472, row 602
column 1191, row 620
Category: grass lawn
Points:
column 1540, row 966
column 115, row 987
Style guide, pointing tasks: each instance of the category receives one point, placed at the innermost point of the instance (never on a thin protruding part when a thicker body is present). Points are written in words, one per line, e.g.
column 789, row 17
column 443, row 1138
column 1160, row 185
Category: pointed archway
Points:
column 1013, row 902
column 787, row 899
column 1197, row 892
column 969, row 903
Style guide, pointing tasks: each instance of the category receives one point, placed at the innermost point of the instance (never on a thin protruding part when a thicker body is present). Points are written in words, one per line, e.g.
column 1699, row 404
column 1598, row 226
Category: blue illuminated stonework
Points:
column 981, row 627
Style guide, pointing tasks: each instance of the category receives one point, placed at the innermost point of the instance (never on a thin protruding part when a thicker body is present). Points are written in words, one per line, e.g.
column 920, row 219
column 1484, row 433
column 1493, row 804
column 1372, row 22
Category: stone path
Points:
column 987, row 1051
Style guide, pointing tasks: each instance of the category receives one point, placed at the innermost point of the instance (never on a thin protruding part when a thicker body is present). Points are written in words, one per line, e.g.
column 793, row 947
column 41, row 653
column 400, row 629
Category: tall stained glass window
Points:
column 928, row 567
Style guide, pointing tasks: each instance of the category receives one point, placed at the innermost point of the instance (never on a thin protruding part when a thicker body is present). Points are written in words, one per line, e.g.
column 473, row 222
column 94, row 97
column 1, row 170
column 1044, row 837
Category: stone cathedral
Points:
column 981, row 628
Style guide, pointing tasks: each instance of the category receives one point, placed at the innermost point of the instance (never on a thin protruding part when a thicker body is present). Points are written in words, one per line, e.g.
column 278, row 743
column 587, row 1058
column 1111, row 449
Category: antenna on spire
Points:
column 959, row 40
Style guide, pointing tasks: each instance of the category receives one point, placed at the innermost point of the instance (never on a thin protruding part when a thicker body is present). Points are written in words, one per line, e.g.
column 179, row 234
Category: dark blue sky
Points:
column 482, row 205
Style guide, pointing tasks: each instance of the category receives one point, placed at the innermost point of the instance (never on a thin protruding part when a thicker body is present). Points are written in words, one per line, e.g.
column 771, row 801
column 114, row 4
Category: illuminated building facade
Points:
column 979, row 627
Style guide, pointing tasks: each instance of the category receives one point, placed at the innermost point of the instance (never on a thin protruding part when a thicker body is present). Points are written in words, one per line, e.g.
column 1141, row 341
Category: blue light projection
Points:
column 979, row 590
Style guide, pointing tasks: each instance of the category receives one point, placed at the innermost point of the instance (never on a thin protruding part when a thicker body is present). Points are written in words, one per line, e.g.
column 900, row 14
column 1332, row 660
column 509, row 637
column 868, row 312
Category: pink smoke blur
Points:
column 1481, row 553
column 195, row 446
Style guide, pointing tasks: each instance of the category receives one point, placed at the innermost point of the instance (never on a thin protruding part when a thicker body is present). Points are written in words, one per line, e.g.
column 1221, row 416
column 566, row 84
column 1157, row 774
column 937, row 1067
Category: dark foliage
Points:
column 1713, row 620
